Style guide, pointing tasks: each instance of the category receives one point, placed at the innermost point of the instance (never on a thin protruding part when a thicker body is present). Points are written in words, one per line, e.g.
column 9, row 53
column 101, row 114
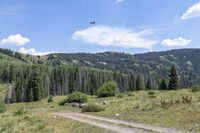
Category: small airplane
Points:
column 93, row 22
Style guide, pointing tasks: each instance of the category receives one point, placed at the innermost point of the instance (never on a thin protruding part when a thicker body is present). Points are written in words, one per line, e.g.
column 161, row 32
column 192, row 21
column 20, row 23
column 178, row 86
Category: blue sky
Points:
column 132, row 26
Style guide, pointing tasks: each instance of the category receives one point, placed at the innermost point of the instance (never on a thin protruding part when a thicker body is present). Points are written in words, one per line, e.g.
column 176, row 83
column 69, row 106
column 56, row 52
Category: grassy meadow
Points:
column 144, row 108
column 37, row 117
column 141, row 107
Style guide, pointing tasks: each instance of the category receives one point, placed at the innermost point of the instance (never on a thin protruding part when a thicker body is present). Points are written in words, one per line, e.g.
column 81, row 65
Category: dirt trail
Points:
column 117, row 125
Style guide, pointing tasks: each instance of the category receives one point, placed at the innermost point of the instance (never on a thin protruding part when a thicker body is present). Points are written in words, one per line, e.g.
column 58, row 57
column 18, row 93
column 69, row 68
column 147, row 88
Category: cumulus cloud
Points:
column 118, row 1
column 192, row 12
column 17, row 39
column 112, row 36
column 32, row 51
column 176, row 42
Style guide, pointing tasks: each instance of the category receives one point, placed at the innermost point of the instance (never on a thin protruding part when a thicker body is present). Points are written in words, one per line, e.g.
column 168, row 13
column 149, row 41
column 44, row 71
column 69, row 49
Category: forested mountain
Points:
column 35, row 77
column 31, row 79
column 156, row 64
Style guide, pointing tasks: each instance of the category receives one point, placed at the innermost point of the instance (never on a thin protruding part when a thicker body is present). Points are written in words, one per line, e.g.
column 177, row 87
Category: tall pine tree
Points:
column 173, row 82
column 149, row 85
column 163, row 85
column 34, row 86
column 140, row 83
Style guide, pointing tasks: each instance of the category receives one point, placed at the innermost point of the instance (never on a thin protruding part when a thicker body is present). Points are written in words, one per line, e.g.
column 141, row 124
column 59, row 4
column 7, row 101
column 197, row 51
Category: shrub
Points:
column 2, row 107
column 177, row 101
column 26, row 117
column 77, row 97
column 93, row 108
column 152, row 94
column 166, row 104
column 50, row 99
column 20, row 112
column 186, row 99
column 120, row 95
column 130, row 94
column 195, row 88
column 108, row 89
column 63, row 102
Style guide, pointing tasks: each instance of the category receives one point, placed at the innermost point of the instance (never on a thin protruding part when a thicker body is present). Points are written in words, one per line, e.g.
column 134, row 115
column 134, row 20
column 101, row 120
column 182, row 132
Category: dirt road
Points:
column 117, row 125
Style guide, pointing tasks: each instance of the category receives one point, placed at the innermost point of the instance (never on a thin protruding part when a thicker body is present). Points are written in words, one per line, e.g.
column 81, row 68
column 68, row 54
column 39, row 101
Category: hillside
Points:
column 25, row 71
column 186, row 60
column 155, row 64
column 9, row 55
column 32, row 79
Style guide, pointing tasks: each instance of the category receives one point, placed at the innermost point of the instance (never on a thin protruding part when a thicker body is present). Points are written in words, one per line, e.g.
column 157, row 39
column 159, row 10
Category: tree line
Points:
column 34, row 82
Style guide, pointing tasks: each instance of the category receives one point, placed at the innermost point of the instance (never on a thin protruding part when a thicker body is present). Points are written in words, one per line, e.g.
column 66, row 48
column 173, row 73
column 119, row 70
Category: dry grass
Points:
column 139, row 107
column 133, row 106
column 37, row 117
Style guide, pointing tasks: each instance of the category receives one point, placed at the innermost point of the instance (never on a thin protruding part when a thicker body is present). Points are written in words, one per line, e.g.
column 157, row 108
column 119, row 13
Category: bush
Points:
column 195, row 88
column 20, row 112
column 50, row 99
column 77, row 97
column 2, row 107
column 63, row 102
column 152, row 94
column 186, row 98
column 93, row 108
column 108, row 89
column 129, row 94
column 120, row 95
column 166, row 104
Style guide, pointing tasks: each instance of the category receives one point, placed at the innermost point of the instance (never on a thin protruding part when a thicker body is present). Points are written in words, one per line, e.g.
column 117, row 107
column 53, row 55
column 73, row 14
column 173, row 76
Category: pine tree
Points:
column 29, row 94
column 71, row 83
column 132, row 83
column 149, row 86
column 18, row 90
column 173, row 82
column 140, row 83
column 34, row 86
column 163, row 85
column 11, row 74
column 93, row 85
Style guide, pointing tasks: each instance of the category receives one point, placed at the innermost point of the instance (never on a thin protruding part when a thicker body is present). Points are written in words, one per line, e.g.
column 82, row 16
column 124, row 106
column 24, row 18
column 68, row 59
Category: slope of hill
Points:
column 20, row 69
column 187, row 61
column 9, row 55
column 155, row 64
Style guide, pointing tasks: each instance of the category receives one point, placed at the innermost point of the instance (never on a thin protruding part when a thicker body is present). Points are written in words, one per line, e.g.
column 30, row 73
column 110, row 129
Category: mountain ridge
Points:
column 156, row 64
column 151, row 64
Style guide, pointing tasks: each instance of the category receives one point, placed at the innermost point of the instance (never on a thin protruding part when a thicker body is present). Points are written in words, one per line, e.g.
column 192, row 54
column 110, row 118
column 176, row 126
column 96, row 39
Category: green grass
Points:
column 140, row 107
column 37, row 117
column 43, row 123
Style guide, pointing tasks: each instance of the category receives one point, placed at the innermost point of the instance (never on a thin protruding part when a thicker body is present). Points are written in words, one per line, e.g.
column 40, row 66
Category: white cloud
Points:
column 120, row 37
column 17, row 39
column 192, row 12
column 176, row 42
column 118, row 1
column 32, row 51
